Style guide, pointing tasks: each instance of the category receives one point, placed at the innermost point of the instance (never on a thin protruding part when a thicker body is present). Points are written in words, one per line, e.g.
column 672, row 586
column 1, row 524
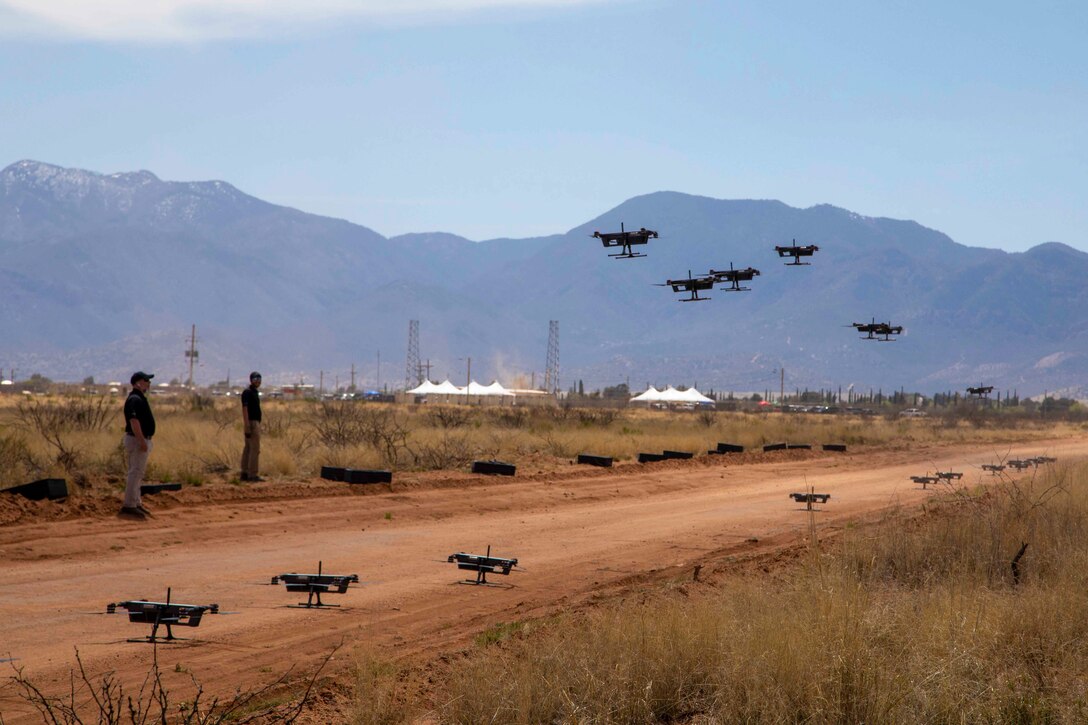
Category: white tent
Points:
column 651, row 395
column 447, row 388
column 426, row 387
column 671, row 395
column 496, row 389
column 474, row 388
column 692, row 395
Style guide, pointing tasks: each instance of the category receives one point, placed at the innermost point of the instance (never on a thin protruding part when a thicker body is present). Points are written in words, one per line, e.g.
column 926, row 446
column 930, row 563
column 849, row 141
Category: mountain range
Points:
column 101, row 274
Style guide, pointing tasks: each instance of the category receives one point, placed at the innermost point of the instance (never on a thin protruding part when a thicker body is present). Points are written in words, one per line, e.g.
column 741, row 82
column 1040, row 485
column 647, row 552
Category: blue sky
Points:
column 516, row 118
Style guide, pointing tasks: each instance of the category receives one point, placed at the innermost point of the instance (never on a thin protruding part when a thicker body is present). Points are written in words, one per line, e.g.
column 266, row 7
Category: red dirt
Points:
column 581, row 534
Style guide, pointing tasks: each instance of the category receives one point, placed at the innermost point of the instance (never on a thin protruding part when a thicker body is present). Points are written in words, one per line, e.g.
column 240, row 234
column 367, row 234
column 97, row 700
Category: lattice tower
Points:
column 551, row 369
column 411, row 369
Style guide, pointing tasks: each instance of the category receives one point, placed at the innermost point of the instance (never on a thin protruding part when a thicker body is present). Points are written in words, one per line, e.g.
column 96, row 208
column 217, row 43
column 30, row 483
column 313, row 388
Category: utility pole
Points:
column 352, row 377
column 378, row 381
column 191, row 354
column 781, row 384
column 468, row 375
column 321, row 383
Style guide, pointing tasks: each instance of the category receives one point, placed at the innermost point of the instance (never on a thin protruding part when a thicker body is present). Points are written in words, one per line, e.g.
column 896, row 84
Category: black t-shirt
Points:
column 136, row 406
column 251, row 399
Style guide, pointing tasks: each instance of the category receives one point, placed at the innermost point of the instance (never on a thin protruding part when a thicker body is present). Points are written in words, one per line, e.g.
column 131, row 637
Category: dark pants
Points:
column 252, row 450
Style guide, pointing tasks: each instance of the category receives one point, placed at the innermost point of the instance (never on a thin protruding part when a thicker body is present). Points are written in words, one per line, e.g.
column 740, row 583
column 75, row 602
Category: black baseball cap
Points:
column 255, row 375
column 141, row 375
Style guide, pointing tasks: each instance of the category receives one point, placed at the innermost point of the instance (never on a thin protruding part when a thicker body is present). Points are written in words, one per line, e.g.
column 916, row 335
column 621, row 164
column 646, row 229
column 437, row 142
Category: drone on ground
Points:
column 625, row 239
column 882, row 331
column 691, row 284
column 482, row 564
column 734, row 277
column 170, row 614
column 796, row 252
column 315, row 585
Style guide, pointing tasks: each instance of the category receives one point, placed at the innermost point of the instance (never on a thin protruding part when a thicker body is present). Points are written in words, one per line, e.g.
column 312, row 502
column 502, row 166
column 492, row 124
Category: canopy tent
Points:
column 651, row 395
column 448, row 388
column 496, row 389
column 692, row 395
column 671, row 395
column 426, row 387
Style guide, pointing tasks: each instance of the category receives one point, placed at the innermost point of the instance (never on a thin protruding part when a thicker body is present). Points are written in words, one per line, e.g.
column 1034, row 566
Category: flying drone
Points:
column 982, row 391
column 625, row 239
column 170, row 614
column 796, row 252
column 694, row 285
column 734, row 277
column 315, row 585
column 874, row 330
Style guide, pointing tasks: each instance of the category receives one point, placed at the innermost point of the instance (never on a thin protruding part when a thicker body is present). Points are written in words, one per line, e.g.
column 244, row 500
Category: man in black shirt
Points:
column 251, row 424
column 139, row 429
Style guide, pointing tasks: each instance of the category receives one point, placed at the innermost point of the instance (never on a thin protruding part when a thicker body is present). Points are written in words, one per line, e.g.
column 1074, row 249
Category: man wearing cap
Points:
column 139, row 429
column 251, row 424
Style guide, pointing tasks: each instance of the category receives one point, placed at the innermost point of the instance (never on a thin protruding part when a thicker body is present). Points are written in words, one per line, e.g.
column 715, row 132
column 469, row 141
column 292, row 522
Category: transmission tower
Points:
column 551, row 369
column 411, row 369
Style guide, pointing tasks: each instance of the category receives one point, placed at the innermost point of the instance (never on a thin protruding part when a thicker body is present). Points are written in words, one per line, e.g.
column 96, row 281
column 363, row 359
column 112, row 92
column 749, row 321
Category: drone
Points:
column 808, row 498
column 925, row 480
column 694, row 285
column 993, row 468
column 170, row 614
column 881, row 331
column 483, row 565
column 982, row 391
column 734, row 277
column 625, row 239
column 316, row 584
column 797, row 252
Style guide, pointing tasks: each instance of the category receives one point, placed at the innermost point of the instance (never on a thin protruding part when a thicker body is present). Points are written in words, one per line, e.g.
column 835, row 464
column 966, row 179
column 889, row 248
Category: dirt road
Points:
column 578, row 534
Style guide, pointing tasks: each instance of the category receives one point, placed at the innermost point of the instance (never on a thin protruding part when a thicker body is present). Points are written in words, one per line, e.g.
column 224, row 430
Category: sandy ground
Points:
column 580, row 535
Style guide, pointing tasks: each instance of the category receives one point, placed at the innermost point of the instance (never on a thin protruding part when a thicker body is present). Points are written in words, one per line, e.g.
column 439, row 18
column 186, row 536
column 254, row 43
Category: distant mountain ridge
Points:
column 100, row 274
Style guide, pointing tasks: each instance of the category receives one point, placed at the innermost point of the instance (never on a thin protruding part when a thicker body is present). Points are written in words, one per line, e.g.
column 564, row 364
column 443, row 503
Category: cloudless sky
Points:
column 516, row 118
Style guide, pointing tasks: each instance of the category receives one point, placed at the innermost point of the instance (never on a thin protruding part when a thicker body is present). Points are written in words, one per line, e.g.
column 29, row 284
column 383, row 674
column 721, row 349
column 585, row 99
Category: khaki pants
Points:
column 251, row 453
column 137, row 465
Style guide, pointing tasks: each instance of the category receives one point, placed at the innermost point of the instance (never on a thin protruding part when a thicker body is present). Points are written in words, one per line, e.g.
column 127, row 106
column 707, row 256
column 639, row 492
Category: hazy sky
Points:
column 491, row 118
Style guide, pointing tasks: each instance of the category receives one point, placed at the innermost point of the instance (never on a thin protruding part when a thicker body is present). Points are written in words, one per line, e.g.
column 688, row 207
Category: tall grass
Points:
column 200, row 438
column 914, row 620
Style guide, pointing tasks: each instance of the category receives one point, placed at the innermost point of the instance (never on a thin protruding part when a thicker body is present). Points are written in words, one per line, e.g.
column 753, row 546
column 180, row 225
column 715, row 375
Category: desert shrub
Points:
column 105, row 699
column 55, row 423
column 449, row 450
column 512, row 417
column 17, row 462
column 339, row 424
column 448, row 416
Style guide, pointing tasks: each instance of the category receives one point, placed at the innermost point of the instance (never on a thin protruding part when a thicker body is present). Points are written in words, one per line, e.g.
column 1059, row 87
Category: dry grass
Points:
column 200, row 438
column 911, row 621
